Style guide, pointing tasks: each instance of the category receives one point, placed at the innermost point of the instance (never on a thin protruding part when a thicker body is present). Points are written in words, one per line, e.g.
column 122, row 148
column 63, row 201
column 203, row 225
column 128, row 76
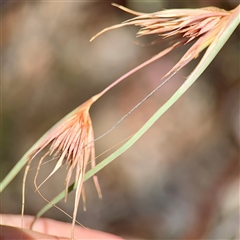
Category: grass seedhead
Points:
column 72, row 143
column 202, row 25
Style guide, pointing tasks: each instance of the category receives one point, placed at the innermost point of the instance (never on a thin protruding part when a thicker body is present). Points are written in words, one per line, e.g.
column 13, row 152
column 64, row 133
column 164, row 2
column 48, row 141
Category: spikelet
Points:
column 72, row 143
column 201, row 24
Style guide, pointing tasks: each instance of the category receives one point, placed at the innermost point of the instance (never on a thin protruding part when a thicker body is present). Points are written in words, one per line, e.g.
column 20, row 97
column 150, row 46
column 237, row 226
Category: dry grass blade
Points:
column 72, row 143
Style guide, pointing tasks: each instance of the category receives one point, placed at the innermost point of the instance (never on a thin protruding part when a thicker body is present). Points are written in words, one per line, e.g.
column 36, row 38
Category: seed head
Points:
column 72, row 143
column 201, row 24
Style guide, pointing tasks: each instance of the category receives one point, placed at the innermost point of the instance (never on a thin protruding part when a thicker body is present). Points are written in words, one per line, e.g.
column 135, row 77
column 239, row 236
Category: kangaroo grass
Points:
column 72, row 141
column 208, row 57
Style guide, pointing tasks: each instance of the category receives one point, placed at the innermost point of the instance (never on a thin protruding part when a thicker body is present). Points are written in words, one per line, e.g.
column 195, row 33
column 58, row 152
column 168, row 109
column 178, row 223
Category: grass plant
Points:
column 71, row 140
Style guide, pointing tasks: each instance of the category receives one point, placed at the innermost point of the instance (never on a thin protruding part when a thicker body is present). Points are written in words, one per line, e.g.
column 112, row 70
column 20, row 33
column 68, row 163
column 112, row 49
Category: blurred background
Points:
column 181, row 179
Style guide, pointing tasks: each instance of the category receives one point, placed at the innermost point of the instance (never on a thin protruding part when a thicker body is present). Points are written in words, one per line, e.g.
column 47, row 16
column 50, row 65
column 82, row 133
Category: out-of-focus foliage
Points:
column 181, row 179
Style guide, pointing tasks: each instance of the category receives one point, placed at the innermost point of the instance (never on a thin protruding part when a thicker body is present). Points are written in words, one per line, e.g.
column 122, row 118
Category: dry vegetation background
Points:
column 181, row 179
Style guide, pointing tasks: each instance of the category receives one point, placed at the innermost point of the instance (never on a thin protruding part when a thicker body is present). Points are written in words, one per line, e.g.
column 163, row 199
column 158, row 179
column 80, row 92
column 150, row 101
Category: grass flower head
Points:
column 186, row 25
column 72, row 143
